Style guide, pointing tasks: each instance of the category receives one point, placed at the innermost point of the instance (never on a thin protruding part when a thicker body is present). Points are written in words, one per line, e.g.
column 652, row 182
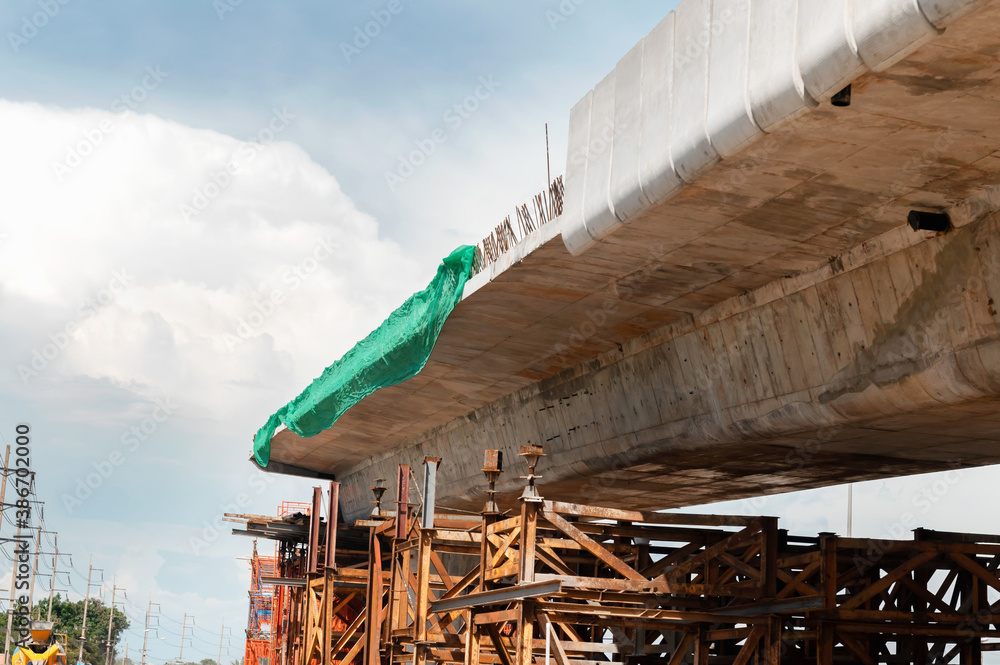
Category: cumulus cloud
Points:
column 179, row 260
column 143, row 263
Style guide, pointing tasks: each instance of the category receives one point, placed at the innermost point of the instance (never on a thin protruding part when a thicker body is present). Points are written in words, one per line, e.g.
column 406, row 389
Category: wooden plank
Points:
column 578, row 647
column 681, row 552
column 737, row 538
column 552, row 560
column 525, row 630
column 473, row 643
column 751, row 552
column 498, row 644
column 932, row 601
column 592, row 546
column 968, row 619
column 750, row 646
column 977, row 570
column 886, row 581
column 353, row 653
column 655, row 586
column 452, row 535
column 604, row 612
column 505, row 545
column 859, row 652
column 512, row 567
column 797, row 583
column 598, row 512
column 677, row 657
column 504, row 525
column 730, row 633
column 739, row 565
column 343, row 603
column 348, row 634
column 497, row 596
column 500, row 616
column 374, row 600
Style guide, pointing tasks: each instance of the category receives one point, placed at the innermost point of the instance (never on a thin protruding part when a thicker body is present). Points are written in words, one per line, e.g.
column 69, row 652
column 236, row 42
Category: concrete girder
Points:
column 884, row 362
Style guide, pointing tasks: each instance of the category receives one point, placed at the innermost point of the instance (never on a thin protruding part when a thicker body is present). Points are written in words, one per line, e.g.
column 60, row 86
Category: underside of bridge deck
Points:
column 769, row 324
column 884, row 362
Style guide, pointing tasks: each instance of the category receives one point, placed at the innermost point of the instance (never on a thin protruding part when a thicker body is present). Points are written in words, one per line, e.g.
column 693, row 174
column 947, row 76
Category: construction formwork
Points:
column 554, row 582
column 261, row 609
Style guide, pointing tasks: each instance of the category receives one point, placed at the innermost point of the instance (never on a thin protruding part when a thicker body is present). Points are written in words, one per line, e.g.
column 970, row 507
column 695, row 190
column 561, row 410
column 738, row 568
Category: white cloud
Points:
column 113, row 294
column 267, row 284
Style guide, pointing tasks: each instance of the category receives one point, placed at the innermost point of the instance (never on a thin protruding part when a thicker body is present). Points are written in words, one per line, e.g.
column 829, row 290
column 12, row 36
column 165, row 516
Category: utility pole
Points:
column 10, row 605
column 145, row 634
column 125, row 659
column 221, row 633
column 111, row 622
column 86, row 602
column 3, row 485
column 34, row 570
column 13, row 575
column 180, row 656
column 55, row 560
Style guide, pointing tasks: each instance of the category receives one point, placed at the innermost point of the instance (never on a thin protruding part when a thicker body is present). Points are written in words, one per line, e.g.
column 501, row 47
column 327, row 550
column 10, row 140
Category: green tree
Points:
column 68, row 618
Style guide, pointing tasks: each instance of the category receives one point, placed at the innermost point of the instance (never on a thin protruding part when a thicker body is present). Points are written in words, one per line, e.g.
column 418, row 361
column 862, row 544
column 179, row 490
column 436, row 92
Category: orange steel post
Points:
column 314, row 530
column 403, row 502
column 332, row 516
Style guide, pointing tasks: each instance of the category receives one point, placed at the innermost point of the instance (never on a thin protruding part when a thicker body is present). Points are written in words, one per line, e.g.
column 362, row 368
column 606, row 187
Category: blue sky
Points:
column 355, row 113
column 104, row 235
column 197, row 81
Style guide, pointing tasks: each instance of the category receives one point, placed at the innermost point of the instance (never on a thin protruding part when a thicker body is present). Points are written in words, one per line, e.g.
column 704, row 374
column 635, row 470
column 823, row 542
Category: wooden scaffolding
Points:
column 570, row 584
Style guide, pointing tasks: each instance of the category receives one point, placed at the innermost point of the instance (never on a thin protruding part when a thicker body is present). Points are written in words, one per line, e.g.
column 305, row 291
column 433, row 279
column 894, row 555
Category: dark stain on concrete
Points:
column 899, row 348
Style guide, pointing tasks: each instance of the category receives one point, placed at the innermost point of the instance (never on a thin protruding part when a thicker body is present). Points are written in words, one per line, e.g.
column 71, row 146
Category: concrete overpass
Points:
column 732, row 303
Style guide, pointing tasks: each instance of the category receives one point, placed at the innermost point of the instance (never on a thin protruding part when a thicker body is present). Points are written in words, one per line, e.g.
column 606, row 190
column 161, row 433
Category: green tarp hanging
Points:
column 396, row 351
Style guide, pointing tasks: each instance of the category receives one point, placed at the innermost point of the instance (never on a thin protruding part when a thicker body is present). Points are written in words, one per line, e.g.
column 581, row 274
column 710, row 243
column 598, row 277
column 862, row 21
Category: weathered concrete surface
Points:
column 923, row 133
column 885, row 361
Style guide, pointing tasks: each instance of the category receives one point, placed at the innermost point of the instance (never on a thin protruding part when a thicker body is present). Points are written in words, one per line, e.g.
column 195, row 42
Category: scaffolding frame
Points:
column 579, row 585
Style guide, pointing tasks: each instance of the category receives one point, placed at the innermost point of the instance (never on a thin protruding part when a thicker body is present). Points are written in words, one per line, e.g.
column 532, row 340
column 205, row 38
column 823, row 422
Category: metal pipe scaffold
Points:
column 570, row 582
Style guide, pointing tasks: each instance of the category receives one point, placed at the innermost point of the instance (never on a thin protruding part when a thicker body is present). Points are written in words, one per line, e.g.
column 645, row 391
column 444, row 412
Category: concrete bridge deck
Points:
column 746, row 313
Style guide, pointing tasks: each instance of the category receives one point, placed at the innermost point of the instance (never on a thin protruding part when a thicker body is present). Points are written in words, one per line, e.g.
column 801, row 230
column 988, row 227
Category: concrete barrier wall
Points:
column 712, row 78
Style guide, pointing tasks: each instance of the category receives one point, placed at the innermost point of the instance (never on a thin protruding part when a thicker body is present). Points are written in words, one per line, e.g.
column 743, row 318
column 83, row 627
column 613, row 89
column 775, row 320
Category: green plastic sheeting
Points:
column 396, row 351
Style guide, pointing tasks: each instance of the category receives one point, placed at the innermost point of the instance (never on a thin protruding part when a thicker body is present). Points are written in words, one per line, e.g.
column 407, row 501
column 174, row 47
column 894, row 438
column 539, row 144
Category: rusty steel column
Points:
column 402, row 501
column 422, row 593
column 314, row 530
column 430, row 491
column 373, row 606
column 332, row 517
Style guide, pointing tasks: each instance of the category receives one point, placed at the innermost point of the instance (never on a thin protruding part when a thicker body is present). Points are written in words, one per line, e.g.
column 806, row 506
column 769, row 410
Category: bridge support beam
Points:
column 886, row 361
